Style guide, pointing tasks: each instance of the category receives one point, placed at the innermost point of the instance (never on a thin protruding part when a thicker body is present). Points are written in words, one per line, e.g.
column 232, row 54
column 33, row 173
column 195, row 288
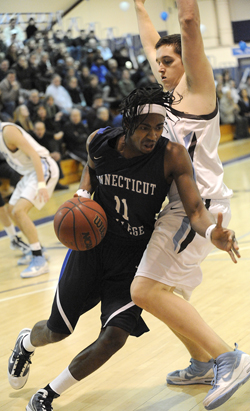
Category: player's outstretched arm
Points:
column 148, row 35
column 196, row 64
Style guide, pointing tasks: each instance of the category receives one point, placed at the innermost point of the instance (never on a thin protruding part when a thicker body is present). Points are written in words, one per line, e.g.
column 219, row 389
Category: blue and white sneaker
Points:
column 231, row 370
column 197, row 373
column 19, row 363
column 37, row 266
column 27, row 258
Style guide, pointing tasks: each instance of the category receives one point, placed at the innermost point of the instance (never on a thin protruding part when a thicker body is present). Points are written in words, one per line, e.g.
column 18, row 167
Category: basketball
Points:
column 80, row 223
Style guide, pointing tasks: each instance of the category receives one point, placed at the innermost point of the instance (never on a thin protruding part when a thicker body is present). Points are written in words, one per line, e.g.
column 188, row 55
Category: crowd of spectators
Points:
column 60, row 88
column 234, row 102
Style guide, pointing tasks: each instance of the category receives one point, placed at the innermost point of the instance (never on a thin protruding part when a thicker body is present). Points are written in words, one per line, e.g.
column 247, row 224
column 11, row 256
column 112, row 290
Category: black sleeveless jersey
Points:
column 131, row 191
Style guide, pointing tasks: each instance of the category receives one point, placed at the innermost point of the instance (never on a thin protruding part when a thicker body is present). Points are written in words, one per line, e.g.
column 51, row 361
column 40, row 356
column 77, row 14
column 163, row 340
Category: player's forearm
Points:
column 38, row 167
column 148, row 34
column 201, row 220
column 88, row 180
column 188, row 11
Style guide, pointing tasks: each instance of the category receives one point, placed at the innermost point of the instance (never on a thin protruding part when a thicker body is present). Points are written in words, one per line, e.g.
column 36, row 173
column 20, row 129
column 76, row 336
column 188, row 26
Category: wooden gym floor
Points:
column 134, row 379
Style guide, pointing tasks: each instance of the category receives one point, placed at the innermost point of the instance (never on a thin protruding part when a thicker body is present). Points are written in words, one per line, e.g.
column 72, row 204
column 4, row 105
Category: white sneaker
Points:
column 231, row 370
column 19, row 363
column 37, row 266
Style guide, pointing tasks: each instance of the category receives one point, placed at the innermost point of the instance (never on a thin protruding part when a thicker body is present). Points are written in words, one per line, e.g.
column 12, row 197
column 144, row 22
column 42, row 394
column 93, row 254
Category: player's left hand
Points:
column 224, row 239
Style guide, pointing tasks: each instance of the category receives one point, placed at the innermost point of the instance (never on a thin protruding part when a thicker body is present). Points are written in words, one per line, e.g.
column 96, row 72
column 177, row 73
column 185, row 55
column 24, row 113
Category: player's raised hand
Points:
column 224, row 239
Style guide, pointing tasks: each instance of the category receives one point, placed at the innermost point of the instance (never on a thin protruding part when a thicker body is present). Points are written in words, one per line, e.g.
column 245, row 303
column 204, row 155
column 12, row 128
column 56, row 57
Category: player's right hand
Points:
column 224, row 239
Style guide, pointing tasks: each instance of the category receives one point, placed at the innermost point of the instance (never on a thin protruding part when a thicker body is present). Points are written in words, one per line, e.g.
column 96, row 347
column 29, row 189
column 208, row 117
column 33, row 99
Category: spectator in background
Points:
column 34, row 72
column 92, row 36
column 31, row 28
column 61, row 96
column 75, row 137
column 53, row 111
column 244, row 104
column 23, row 73
column 111, row 91
column 116, row 114
column 84, row 77
column 33, row 103
column 90, row 53
column 51, row 125
column 8, row 32
column 102, row 119
column 226, row 77
column 21, row 118
column 105, row 51
column 80, row 44
column 114, row 71
column 45, row 71
column 4, row 67
column 90, row 90
column 219, row 92
column 3, row 47
column 126, row 85
column 91, row 112
column 58, row 36
column 47, row 140
column 228, row 108
column 234, row 92
column 245, row 83
column 99, row 69
column 13, row 40
column 147, row 81
column 10, row 89
column 11, row 54
column 75, row 93
column 4, row 116
column 121, row 56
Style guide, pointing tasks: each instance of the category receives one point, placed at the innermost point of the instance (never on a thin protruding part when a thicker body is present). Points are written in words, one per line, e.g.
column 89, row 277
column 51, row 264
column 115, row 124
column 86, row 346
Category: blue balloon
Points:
column 242, row 45
column 164, row 15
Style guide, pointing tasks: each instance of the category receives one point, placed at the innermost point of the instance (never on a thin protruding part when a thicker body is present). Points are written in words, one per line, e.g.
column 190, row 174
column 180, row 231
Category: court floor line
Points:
column 26, row 294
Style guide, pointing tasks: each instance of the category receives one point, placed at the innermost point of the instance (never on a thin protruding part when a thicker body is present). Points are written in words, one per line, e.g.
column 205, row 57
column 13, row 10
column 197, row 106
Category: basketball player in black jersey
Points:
column 130, row 170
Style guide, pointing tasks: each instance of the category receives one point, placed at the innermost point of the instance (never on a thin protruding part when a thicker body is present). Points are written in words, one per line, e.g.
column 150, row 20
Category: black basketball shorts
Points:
column 102, row 274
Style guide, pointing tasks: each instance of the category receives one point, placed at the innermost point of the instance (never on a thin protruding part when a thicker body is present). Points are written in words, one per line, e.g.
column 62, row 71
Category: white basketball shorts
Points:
column 174, row 252
column 27, row 186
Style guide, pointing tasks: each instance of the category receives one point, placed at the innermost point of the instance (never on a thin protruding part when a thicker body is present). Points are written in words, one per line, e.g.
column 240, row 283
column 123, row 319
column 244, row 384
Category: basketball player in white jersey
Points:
column 40, row 175
column 171, row 262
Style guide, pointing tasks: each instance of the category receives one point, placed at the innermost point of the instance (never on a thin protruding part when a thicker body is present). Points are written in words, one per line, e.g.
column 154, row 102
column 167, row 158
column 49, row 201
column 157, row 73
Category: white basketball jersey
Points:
column 200, row 135
column 18, row 160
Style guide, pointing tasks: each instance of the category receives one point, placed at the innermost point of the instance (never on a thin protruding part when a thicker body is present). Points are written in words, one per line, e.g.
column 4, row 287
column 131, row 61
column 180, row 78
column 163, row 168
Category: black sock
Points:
column 52, row 394
column 37, row 252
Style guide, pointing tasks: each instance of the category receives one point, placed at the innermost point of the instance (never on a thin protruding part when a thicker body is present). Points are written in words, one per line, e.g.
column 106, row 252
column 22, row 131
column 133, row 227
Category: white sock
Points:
column 10, row 231
column 35, row 246
column 63, row 381
column 27, row 343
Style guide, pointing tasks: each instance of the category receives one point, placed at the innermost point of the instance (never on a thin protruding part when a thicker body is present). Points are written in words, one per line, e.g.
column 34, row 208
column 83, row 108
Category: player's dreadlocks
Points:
column 132, row 106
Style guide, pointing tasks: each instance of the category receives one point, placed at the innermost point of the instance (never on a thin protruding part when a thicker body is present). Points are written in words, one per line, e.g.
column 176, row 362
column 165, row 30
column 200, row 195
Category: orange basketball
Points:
column 80, row 223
